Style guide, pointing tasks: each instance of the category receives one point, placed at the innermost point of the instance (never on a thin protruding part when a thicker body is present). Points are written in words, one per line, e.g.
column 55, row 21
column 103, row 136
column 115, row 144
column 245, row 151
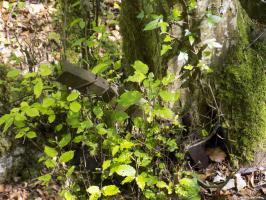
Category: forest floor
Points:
column 27, row 38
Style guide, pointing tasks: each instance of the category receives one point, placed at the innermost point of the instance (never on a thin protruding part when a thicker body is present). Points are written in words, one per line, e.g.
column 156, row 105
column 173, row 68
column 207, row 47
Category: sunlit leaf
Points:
column 110, row 190
column 100, row 68
column 38, row 87
column 165, row 49
column 31, row 135
column 45, row 70
column 129, row 98
column 65, row 140
column 32, row 112
column 51, row 152
column 169, row 96
column 13, row 73
column 140, row 67
column 75, row 106
column 128, row 179
column 66, row 157
column 125, row 170
column 73, row 96
column 106, row 164
column 141, row 180
column 153, row 24
column 45, row 178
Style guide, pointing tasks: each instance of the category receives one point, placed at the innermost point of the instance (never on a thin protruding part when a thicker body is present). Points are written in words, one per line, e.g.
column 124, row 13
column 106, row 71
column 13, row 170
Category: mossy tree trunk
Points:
column 238, row 84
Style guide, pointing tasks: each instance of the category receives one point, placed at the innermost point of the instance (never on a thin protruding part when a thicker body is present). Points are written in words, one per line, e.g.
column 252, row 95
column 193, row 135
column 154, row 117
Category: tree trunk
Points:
column 234, row 93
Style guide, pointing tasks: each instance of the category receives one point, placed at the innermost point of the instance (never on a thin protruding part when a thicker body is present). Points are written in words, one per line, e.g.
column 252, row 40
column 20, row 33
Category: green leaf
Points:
column 169, row 78
column 165, row 48
column 13, row 73
column 169, row 96
column 153, row 24
column 50, row 163
column 70, row 171
column 140, row 67
column 69, row 196
column 65, row 140
column 129, row 98
column 30, row 75
column 110, row 190
column 66, row 157
column 75, row 22
column 161, row 184
column 176, row 13
column 128, row 179
column 95, row 192
column 141, row 180
column 167, row 38
column 126, row 145
column 93, row 189
column 4, row 118
column 100, row 68
column 79, row 139
column 73, row 96
column 95, row 196
column 188, row 189
column 75, row 106
column 32, row 112
column 125, row 170
column 48, row 102
column 58, row 127
column 45, row 70
column 31, row 135
column 119, row 116
column 97, row 110
column 137, row 77
column 51, row 118
column 106, row 164
column 84, row 125
column 20, row 135
column 38, row 88
column 51, row 152
column 115, row 149
column 82, row 24
column 8, row 124
column 164, row 113
column 188, row 67
column 45, row 178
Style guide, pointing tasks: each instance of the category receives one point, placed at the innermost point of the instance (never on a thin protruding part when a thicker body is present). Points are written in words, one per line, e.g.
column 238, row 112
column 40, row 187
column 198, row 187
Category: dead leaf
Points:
column 2, row 188
column 216, row 154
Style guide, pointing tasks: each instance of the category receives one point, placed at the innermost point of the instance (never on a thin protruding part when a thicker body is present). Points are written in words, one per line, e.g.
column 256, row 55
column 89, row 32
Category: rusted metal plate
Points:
column 85, row 81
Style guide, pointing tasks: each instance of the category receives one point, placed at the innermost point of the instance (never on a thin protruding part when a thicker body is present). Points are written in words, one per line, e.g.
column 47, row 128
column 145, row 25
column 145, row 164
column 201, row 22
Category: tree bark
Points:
column 234, row 94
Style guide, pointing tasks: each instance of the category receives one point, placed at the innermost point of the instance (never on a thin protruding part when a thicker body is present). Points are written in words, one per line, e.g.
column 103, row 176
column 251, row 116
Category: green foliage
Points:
column 188, row 189
column 75, row 121
column 133, row 138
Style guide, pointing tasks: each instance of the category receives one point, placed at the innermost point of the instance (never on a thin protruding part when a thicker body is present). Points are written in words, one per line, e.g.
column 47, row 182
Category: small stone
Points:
column 240, row 182
column 219, row 178
column 229, row 185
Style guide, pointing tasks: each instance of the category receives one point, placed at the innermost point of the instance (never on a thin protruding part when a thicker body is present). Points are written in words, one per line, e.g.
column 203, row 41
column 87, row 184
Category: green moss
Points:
column 242, row 92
